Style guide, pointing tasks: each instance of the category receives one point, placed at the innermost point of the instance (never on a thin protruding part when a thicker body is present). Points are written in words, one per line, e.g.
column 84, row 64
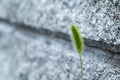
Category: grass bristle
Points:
column 76, row 38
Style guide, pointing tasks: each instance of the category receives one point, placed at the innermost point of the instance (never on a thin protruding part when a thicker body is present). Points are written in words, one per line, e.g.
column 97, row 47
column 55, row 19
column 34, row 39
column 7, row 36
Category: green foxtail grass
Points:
column 77, row 43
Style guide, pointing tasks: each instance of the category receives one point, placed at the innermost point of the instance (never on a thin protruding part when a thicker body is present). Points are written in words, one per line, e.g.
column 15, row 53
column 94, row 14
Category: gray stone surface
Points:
column 98, row 20
column 28, row 55
column 4, row 9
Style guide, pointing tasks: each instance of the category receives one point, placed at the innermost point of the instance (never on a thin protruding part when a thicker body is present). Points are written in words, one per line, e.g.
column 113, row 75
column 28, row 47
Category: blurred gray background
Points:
column 35, row 43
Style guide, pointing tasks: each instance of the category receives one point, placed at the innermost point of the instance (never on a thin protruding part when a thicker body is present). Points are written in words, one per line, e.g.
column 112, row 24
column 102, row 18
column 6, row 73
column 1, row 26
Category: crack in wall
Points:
column 89, row 42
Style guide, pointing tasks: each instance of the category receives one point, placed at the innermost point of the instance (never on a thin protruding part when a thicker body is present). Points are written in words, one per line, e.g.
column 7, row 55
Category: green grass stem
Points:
column 77, row 43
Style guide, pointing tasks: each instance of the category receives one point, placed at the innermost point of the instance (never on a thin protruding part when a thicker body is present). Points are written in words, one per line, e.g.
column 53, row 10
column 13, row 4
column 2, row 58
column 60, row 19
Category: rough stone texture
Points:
column 33, row 49
column 98, row 20
column 28, row 55
column 4, row 9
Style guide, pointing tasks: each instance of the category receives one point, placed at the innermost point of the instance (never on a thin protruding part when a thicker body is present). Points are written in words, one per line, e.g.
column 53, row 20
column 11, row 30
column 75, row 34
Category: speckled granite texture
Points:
column 28, row 55
column 35, row 44
column 98, row 20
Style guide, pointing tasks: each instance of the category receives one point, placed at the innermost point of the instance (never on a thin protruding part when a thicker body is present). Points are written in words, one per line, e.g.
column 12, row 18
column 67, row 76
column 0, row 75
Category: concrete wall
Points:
column 35, row 44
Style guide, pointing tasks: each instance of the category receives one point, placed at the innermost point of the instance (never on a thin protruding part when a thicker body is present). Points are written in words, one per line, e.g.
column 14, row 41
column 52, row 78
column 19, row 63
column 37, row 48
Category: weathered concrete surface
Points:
column 4, row 9
column 98, row 20
column 28, row 55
